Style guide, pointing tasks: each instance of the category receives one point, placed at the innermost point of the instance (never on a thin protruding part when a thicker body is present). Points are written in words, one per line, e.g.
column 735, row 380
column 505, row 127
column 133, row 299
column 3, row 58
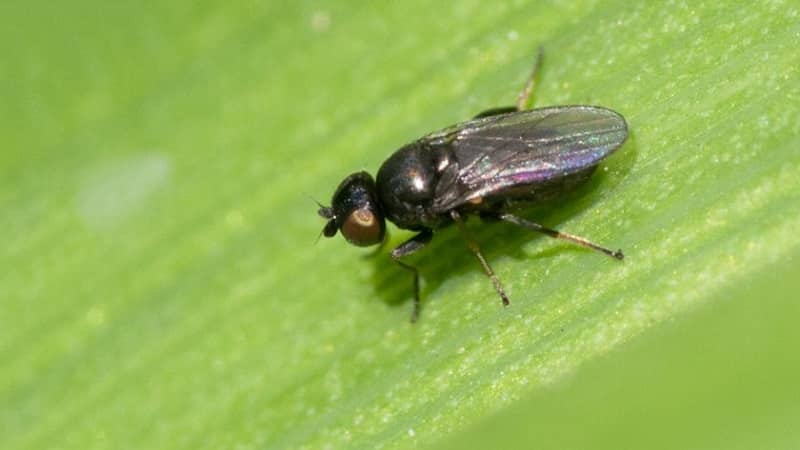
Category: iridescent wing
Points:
column 533, row 147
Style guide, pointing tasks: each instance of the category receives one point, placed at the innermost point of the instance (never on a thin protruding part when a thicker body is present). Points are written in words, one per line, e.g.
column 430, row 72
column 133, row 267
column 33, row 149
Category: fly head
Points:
column 355, row 211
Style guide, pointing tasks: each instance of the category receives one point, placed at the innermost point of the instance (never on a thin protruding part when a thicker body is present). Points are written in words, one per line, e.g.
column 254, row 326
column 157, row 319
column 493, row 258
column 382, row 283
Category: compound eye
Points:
column 363, row 227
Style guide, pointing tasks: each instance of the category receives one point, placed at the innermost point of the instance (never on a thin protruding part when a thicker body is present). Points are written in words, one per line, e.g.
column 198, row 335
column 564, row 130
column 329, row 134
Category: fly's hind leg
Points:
column 525, row 97
column 406, row 248
column 560, row 235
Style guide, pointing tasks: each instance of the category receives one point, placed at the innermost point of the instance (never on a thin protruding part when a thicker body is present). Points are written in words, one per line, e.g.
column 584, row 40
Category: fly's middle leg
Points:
column 473, row 246
column 525, row 98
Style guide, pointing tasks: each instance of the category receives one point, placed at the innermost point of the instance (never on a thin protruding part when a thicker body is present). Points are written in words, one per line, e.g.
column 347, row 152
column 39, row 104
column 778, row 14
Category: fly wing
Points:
column 524, row 148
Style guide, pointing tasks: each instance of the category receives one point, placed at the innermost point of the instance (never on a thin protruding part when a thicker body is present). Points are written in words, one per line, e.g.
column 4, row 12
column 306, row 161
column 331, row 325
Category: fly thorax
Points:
column 407, row 183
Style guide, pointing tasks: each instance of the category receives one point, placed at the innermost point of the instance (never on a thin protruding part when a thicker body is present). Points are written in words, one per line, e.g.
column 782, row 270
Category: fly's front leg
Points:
column 560, row 235
column 406, row 248
column 477, row 251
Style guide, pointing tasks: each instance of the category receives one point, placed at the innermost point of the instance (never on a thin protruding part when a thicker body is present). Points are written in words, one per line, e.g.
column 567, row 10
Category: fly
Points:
column 486, row 166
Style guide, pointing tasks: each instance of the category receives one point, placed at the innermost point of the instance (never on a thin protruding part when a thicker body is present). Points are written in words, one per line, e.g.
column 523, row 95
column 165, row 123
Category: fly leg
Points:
column 477, row 251
column 496, row 111
column 525, row 97
column 406, row 248
column 559, row 235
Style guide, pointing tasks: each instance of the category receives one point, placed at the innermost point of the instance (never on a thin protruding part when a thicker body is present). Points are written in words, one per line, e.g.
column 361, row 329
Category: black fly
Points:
column 502, row 158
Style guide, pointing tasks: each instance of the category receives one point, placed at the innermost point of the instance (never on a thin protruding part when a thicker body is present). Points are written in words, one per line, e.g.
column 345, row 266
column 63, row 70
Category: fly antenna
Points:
column 314, row 200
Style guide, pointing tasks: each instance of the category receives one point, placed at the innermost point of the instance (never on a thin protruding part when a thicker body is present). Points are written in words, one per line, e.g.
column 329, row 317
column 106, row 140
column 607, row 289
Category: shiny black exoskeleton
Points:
column 485, row 166
column 407, row 183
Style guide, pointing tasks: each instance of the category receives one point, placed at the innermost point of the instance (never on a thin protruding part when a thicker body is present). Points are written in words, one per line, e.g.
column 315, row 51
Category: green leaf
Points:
column 726, row 378
column 161, row 286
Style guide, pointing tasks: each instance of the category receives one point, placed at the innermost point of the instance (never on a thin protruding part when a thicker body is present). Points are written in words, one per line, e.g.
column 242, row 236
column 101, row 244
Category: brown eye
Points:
column 362, row 228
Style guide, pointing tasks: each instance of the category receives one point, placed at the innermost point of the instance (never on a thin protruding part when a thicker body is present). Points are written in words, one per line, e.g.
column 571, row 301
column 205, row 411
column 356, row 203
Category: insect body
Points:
column 485, row 166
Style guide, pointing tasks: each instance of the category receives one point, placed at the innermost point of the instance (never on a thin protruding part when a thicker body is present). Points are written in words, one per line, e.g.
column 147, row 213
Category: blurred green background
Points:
column 161, row 286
